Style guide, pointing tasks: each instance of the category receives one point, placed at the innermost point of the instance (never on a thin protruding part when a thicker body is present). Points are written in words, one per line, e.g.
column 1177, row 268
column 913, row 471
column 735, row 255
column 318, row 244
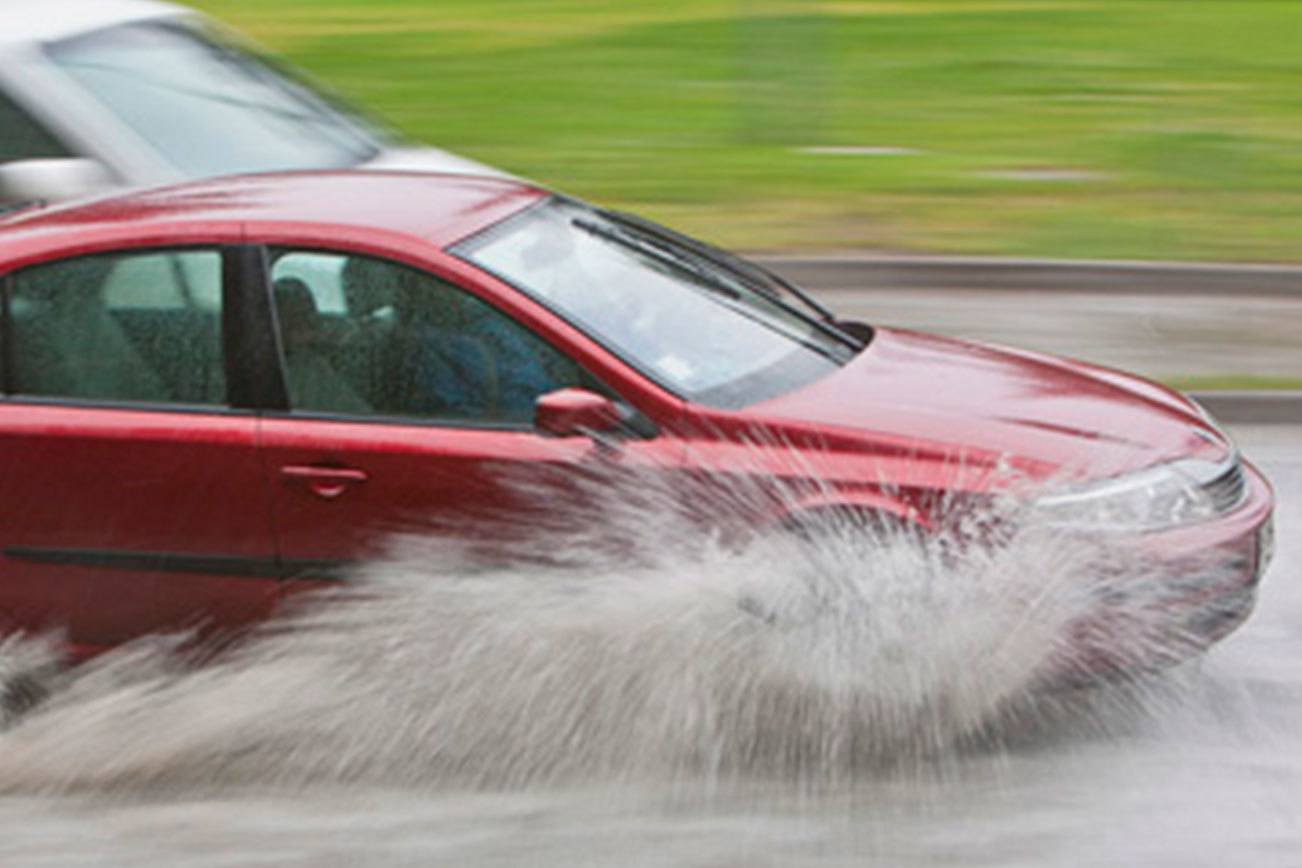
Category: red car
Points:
column 214, row 388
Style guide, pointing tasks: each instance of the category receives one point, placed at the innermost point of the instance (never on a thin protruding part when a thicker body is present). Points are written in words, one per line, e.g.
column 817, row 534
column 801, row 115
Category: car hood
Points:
column 1046, row 415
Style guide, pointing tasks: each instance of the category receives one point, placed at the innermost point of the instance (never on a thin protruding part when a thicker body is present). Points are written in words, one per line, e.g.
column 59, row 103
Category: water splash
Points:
column 673, row 653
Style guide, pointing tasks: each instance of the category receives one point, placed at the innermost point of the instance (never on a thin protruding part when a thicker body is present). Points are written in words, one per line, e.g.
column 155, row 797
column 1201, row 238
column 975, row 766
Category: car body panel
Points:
column 423, row 478
column 1046, row 413
column 122, row 521
column 432, row 208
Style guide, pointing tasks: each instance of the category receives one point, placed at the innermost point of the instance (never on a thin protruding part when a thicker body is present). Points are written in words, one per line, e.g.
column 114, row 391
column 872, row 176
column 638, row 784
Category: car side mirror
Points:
column 571, row 412
column 49, row 180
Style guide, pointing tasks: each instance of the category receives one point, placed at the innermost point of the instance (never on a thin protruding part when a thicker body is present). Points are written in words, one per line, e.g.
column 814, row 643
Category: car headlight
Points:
column 1165, row 495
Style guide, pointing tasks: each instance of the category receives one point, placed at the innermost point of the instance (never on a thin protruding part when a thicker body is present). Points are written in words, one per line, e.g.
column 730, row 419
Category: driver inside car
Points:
column 442, row 351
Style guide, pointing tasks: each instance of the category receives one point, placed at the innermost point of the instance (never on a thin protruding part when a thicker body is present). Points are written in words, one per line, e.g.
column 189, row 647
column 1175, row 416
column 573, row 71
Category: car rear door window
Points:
column 132, row 327
column 365, row 336
column 22, row 138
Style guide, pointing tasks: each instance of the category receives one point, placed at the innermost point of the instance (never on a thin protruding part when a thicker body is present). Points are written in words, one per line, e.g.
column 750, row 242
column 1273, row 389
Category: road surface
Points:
column 1158, row 335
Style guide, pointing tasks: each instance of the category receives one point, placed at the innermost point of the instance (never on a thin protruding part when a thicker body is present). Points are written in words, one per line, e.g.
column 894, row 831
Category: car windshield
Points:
column 208, row 107
column 694, row 327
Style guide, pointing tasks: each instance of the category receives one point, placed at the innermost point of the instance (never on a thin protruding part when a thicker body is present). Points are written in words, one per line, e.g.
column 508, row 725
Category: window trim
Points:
column 255, row 379
column 6, row 337
column 123, row 406
column 410, row 421
column 639, row 426
column 10, row 396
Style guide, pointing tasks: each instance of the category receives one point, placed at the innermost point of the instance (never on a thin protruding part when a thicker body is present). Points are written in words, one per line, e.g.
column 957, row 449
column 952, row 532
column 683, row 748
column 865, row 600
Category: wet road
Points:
column 1204, row 768
column 1156, row 335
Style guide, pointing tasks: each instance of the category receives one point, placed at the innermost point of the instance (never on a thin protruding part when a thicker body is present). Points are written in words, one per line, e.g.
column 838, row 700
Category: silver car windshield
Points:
column 209, row 108
column 688, row 324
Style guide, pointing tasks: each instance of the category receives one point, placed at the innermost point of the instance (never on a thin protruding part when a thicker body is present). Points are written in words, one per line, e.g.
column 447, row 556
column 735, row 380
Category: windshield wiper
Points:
column 750, row 275
column 756, row 276
column 701, row 276
column 659, row 252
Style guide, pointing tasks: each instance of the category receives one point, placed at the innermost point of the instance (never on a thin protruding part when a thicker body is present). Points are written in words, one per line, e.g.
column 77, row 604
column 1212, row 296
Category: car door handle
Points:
column 327, row 482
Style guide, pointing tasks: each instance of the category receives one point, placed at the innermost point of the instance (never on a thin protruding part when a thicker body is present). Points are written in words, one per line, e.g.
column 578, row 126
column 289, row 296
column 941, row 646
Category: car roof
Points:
column 59, row 19
column 435, row 207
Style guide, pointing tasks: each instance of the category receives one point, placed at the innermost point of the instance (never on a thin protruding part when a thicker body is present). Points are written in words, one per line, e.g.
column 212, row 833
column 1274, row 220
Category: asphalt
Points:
column 1266, row 407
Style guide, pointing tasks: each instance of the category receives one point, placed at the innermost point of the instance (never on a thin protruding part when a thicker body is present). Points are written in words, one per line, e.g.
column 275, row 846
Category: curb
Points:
column 1266, row 407
column 1117, row 277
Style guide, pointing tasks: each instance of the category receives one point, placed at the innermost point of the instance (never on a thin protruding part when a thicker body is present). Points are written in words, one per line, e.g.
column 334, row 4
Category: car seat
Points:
column 67, row 344
column 313, row 382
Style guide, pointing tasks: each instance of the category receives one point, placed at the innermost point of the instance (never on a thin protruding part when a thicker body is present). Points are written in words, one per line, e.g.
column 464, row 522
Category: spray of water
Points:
column 618, row 642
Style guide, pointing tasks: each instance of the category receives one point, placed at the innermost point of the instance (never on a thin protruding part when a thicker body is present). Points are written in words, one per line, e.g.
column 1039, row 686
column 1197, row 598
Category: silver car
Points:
column 106, row 93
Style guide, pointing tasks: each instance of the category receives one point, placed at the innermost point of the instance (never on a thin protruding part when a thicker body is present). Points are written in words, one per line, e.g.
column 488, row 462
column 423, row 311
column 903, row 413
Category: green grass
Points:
column 1233, row 382
column 1182, row 120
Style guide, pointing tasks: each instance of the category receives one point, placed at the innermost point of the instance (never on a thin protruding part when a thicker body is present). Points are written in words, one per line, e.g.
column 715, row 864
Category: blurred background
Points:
column 1061, row 129
column 1098, row 128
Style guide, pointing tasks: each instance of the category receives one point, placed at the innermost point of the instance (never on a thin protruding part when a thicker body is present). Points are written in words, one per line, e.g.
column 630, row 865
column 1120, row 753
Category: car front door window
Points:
column 367, row 336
